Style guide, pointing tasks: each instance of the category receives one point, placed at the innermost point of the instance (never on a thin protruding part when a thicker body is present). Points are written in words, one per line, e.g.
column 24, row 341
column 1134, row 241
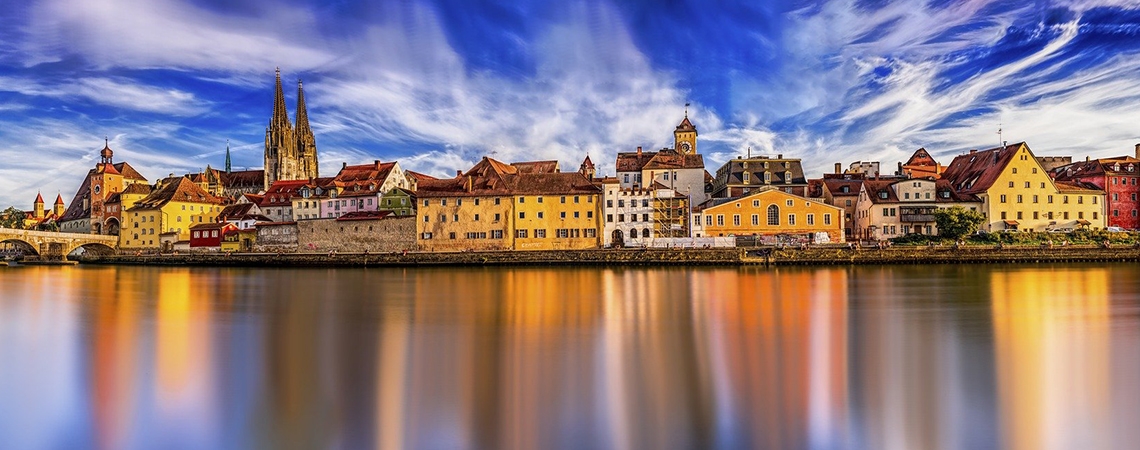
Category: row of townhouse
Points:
column 378, row 186
column 1012, row 188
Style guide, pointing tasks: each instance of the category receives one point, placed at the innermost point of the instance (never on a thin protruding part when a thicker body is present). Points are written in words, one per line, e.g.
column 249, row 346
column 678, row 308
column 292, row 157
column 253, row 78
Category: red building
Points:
column 1118, row 178
column 208, row 236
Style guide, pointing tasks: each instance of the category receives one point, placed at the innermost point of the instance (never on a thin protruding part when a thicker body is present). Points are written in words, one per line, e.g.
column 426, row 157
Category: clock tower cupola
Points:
column 685, row 136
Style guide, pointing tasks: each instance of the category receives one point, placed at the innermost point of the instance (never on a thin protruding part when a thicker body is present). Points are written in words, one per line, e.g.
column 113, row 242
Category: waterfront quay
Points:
column 764, row 256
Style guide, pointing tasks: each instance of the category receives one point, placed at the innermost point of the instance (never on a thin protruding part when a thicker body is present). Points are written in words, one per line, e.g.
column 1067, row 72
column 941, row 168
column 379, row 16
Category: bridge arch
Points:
column 26, row 247
column 97, row 248
column 111, row 226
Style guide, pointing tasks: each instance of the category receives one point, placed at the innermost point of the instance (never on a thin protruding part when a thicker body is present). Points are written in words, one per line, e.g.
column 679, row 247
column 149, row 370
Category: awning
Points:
column 1084, row 222
column 1011, row 222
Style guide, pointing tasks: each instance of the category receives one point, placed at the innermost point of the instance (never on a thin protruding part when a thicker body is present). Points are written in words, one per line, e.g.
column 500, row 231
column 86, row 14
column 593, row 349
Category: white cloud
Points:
column 116, row 92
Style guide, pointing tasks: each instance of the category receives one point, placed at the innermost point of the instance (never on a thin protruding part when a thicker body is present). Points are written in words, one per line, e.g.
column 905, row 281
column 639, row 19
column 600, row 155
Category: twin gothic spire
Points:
column 290, row 151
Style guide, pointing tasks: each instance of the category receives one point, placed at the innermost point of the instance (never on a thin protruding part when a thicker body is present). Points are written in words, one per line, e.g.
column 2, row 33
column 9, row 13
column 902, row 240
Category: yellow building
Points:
column 1018, row 194
column 770, row 212
column 86, row 213
column 498, row 206
column 176, row 205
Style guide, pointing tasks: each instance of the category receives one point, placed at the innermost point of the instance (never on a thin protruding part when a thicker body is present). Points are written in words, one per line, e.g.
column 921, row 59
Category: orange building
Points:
column 770, row 212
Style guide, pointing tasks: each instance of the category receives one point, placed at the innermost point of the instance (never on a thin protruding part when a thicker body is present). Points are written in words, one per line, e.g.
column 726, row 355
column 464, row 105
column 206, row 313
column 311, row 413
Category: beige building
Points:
column 892, row 208
column 1017, row 193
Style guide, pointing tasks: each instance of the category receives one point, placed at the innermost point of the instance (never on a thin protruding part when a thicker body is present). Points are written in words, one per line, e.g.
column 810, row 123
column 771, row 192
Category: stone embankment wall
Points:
column 547, row 257
column 828, row 255
column 377, row 235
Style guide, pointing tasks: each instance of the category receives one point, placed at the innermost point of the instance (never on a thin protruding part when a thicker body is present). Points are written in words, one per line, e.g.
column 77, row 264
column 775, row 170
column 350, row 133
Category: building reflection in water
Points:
column 1057, row 358
column 892, row 358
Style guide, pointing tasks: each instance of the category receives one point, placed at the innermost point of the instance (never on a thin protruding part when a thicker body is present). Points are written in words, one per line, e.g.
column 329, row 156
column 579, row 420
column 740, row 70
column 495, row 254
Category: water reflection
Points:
column 879, row 358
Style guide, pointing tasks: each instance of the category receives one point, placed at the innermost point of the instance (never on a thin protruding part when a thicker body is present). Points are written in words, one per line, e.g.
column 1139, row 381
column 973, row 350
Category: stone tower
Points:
column 38, row 207
column 685, row 137
column 306, row 144
column 280, row 141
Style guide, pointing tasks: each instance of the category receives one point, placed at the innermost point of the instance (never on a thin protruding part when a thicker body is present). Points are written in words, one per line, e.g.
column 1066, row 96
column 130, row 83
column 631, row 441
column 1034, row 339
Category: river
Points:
column 898, row 357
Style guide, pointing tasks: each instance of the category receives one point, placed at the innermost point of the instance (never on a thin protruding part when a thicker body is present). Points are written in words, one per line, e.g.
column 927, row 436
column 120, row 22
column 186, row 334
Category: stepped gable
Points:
column 976, row 172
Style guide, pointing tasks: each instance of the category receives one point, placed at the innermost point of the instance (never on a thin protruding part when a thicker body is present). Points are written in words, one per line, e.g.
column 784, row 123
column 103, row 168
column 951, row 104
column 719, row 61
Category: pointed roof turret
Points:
column 280, row 114
column 302, row 111
column 58, row 199
column 686, row 125
column 39, row 199
column 227, row 156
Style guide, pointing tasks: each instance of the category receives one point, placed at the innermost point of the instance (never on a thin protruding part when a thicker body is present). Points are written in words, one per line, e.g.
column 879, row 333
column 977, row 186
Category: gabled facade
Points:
column 770, row 212
column 1118, row 178
column 208, row 236
column 842, row 191
column 170, row 210
column 277, row 204
column 1017, row 193
column 896, row 207
column 399, row 201
column 680, row 168
column 921, row 165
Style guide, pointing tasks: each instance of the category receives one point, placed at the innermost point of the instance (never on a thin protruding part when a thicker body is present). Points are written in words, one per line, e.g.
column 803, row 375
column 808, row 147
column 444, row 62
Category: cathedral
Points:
column 290, row 152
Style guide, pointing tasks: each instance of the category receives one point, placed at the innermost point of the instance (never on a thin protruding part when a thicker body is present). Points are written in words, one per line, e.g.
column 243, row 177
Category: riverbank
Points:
column 828, row 255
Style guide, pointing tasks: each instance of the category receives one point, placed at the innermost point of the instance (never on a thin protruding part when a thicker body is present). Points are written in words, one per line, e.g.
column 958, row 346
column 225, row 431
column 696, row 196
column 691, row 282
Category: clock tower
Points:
column 685, row 137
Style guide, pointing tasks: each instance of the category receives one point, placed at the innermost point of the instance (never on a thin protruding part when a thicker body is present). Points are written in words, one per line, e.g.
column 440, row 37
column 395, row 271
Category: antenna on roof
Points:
column 1000, row 140
column 686, row 110
column 749, row 152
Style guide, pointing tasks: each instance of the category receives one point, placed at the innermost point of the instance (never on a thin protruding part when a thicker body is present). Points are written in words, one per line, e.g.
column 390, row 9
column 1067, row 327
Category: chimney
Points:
column 1086, row 158
column 1137, row 151
column 838, row 168
column 779, row 156
column 639, row 149
column 973, row 150
column 343, row 165
column 458, row 173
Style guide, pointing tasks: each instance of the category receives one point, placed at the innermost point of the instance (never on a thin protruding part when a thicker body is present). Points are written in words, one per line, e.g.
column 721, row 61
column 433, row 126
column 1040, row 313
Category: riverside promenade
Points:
column 764, row 256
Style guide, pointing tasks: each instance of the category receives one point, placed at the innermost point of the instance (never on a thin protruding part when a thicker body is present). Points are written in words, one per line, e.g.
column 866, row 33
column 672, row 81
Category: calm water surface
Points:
column 932, row 357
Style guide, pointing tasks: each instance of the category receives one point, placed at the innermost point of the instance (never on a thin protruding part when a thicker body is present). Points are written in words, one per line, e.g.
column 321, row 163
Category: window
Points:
column 540, row 234
column 589, row 214
column 906, row 196
column 789, row 203
column 1015, row 173
column 609, row 203
column 540, row 199
column 476, row 202
column 1049, row 199
column 1034, row 199
column 456, row 217
column 522, row 199
column 563, row 199
column 1019, row 198
column 1034, row 170
column 561, row 214
column 591, row 233
column 708, row 221
column 1081, row 215
column 755, row 219
column 575, row 214
column 497, row 202
column 720, row 220
column 1010, row 184
column 621, row 203
column 497, row 234
column 811, row 219
column 563, row 233
column 756, row 203
column 827, row 219
column 443, row 202
column 476, row 217
column 451, row 235
column 773, row 215
column 644, row 203
column 791, row 219
column 1019, row 215
column 621, row 217
column 540, row 214
column 575, row 199
column 1094, row 199
column 609, row 217
column 496, row 215
column 633, row 233
column 736, row 220
column 1027, row 185
column 1094, row 215
column 1003, row 215
column 522, row 214
column 1065, row 200
column 1003, row 198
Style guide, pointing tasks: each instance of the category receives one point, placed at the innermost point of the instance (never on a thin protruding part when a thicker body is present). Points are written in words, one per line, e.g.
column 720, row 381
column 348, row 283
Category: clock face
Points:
column 685, row 146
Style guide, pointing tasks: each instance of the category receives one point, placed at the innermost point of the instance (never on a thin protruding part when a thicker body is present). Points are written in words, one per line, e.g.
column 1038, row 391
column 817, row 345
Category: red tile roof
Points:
column 976, row 172
column 177, row 189
column 536, row 166
column 281, row 193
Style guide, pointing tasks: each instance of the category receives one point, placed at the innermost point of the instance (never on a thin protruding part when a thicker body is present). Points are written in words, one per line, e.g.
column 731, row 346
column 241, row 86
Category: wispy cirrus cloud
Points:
column 115, row 92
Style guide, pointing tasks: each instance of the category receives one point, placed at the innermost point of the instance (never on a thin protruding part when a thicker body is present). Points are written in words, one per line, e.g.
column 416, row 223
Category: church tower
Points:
column 685, row 136
column 280, row 141
column 306, row 143
column 38, row 207
column 58, row 208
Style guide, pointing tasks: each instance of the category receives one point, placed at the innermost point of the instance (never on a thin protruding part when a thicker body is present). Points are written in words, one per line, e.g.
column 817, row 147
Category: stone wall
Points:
column 278, row 237
column 393, row 234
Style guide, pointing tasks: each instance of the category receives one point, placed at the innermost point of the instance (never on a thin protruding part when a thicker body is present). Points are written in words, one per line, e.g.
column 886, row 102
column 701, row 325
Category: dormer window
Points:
column 883, row 195
column 788, row 177
column 845, row 189
column 945, row 194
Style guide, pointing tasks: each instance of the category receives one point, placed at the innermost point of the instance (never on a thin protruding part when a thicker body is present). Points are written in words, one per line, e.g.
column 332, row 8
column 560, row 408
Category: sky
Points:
column 437, row 84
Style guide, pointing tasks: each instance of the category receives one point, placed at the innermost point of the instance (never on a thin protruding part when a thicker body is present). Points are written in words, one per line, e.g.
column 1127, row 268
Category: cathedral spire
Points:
column 280, row 114
column 227, row 156
column 302, row 112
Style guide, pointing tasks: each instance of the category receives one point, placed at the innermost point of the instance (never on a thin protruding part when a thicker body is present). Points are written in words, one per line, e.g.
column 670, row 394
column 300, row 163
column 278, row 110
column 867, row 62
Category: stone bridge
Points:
column 50, row 246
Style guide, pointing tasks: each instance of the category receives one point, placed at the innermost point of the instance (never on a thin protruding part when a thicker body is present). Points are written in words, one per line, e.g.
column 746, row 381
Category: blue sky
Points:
column 437, row 84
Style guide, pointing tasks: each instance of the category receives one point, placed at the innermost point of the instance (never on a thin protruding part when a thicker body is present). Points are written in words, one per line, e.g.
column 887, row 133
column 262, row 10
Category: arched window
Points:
column 773, row 215
column 633, row 233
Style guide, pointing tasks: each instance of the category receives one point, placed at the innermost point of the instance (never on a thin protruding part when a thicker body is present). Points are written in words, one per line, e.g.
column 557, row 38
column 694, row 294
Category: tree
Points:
column 12, row 218
column 955, row 222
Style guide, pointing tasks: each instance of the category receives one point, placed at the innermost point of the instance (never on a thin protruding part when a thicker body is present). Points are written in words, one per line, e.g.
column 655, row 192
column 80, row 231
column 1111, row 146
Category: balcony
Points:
column 917, row 218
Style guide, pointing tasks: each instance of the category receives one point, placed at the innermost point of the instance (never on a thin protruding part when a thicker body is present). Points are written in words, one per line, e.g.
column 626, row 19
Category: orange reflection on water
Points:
column 114, row 354
column 1052, row 346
